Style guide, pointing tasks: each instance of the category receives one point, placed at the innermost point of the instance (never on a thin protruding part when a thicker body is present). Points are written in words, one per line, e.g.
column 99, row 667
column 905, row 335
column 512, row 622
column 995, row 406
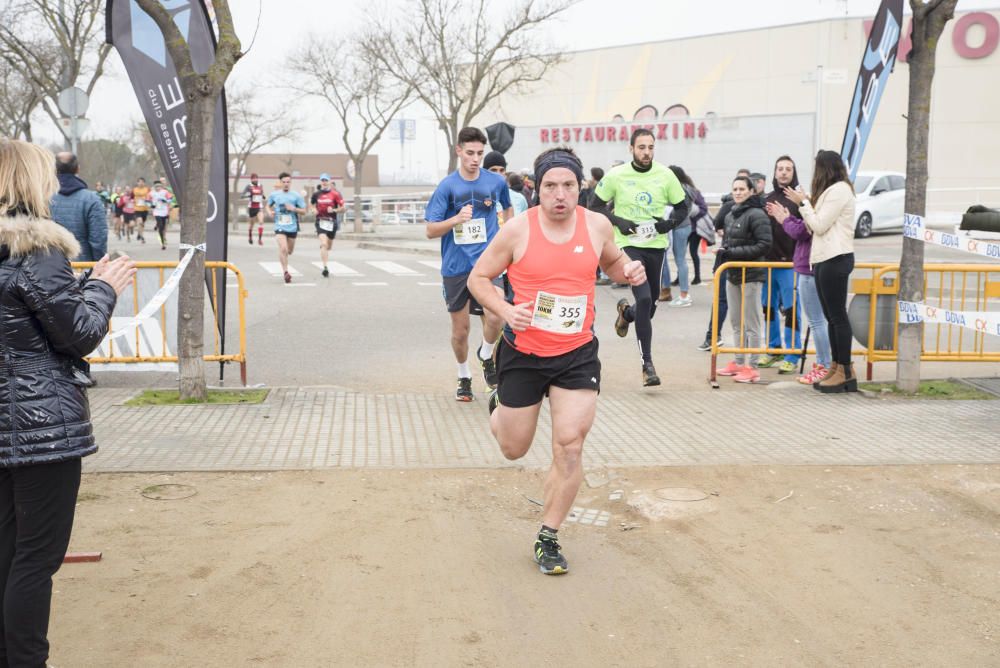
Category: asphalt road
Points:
column 384, row 328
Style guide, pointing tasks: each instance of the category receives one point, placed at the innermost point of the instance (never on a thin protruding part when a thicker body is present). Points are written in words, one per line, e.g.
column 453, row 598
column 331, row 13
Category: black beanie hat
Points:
column 494, row 159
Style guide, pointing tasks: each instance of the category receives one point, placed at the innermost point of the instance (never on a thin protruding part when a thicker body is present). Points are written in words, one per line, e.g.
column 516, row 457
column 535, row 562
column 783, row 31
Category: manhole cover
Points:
column 168, row 492
column 680, row 494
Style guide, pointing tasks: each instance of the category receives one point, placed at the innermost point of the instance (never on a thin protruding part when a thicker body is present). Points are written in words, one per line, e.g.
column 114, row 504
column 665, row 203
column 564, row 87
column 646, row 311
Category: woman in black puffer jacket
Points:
column 747, row 239
column 49, row 319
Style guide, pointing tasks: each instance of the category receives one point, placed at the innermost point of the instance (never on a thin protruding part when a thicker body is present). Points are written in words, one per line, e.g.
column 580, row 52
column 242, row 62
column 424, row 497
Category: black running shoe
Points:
column 464, row 390
column 547, row 555
column 494, row 400
column 621, row 324
column 326, row 273
column 489, row 370
column 649, row 377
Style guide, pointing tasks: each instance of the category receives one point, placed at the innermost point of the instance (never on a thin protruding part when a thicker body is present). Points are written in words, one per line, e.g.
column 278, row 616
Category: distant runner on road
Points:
column 551, row 254
column 254, row 192
column 327, row 203
column 284, row 206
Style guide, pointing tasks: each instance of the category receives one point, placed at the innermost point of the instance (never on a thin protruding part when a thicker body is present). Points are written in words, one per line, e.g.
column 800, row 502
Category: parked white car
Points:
column 880, row 201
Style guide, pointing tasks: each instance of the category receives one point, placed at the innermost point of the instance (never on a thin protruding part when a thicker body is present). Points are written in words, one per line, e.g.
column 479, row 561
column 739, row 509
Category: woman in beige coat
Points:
column 829, row 214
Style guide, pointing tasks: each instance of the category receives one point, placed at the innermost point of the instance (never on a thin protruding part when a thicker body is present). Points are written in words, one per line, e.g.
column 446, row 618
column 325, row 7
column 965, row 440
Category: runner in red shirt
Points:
column 254, row 192
column 326, row 203
column 551, row 253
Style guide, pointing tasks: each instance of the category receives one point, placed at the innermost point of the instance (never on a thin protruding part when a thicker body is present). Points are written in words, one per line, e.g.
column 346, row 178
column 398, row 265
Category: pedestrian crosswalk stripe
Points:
column 369, row 283
column 393, row 268
column 338, row 269
column 433, row 264
column 300, row 285
column 436, row 283
column 274, row 268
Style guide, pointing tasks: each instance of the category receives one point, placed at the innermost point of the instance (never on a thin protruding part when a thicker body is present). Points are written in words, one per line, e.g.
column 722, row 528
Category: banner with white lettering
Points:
column 154, row 78
column 984, row 322
column 876, row 65
column 915, row 228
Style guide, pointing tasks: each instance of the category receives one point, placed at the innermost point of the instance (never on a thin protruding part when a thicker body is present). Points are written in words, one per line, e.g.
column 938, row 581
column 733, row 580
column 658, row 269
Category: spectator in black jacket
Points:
column 49, row 319
column 747, row 238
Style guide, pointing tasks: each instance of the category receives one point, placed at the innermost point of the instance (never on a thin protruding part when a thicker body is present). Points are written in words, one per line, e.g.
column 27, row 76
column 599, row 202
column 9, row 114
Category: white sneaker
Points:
column 680, row 302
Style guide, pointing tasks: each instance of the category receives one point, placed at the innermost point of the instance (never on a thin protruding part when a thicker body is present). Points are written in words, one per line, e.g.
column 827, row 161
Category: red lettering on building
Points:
column 960, row 36
column 576, row 133
column 702, row 130
column 689, row 131
column 588, row 135
column 661, row 130
column 545, row 135
column 676, row 130
column 565, row 134
column 599, row 133
column 623, row 134
column 612, row 135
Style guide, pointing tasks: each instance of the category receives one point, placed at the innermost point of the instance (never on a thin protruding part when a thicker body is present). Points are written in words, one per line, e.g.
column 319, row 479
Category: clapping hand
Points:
column 117, row 273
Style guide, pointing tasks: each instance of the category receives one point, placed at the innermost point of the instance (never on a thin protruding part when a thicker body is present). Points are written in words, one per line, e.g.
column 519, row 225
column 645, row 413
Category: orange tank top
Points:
column 559, row 280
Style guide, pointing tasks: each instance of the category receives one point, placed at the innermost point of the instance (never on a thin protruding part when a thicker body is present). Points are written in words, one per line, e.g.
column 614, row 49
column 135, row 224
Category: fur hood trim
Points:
column 23, row 236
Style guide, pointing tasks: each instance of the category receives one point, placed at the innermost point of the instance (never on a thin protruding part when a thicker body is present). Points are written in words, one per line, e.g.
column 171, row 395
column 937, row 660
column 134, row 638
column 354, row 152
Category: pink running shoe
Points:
column 818, row 373
column 747, row 375
column 730, row 369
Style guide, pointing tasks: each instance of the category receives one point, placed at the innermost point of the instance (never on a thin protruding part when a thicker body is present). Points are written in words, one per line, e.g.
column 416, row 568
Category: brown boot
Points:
column 841, row 380
column 665, row 295
column 829, row 372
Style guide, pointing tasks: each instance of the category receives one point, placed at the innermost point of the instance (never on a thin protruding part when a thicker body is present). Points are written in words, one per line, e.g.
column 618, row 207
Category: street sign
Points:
column 73, row 101
column 82, row 125
column 402, row 129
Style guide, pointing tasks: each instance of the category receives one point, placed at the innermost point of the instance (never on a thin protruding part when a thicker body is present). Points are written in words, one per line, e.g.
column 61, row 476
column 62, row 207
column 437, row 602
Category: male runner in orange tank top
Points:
column 551, row 253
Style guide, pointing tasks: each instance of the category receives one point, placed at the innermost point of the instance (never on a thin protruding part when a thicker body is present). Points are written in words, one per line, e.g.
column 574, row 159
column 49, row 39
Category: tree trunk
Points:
column 927, row 29
column 194, row 210
column 359, row 223
column 451, row 138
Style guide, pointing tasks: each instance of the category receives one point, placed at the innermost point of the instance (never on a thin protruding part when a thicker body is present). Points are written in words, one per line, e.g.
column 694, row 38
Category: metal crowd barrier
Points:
column 956, row 287
column 148, row 344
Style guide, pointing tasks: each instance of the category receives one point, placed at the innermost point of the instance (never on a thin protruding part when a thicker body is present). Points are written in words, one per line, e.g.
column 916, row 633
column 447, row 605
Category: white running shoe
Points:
column 680, row 302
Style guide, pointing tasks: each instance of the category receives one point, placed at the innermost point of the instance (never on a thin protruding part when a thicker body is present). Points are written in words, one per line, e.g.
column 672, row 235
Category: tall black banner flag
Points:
column 876, row 65
column 151, row 70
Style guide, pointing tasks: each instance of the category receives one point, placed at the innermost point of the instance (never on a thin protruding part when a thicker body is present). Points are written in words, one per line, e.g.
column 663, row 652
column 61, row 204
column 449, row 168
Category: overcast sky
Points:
column 589, row 24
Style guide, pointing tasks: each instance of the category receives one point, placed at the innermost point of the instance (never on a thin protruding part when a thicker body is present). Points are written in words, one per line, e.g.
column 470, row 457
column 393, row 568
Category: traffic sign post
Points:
column 74, row 103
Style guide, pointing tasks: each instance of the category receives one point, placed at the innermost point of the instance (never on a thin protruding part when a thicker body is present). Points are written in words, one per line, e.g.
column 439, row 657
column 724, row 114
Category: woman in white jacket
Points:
column 829, row 214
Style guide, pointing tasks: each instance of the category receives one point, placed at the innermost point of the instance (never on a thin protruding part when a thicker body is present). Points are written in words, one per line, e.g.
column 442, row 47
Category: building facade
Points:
column 720, row 102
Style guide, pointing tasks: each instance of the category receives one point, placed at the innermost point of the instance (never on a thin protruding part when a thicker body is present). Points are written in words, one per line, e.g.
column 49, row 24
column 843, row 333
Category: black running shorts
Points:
column 457, row 295
column 525, row 379
column 141, row 215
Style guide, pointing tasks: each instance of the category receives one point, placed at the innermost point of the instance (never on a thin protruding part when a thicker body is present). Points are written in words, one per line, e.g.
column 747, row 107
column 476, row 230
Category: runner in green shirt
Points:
column 635, row 197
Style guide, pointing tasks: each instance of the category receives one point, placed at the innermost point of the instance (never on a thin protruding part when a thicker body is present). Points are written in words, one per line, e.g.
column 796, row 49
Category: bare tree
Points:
column 201, row 94
column 54, row 44
column 459, row 58
column 929, row 19
column 254, row 126
column 18, row 98
column 363, row 94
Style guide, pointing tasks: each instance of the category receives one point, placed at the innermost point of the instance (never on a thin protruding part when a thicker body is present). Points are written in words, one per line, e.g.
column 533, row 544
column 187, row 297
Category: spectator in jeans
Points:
column 747, row 239
column 796, row 229
column 679, row 237
column 79, row 210
column 829, row 214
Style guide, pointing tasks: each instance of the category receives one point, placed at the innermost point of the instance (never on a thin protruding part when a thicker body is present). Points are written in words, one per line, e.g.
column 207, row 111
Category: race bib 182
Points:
column 472, row 232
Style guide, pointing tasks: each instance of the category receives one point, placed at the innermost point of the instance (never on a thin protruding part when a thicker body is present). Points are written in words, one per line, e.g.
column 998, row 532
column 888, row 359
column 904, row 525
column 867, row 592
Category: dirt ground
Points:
column 890, row 566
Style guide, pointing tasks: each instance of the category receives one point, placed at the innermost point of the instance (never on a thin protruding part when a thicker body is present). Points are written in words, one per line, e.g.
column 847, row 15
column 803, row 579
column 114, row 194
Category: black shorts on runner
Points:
column 457, row 295
column 525, row 379
column 141, row 215
column 129, row 217
column 253, row 213
column 330, row 233
column 290, row 235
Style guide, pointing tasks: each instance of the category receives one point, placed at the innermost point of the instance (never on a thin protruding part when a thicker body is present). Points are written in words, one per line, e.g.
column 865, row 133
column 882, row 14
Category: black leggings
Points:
column 694, row 241
column 161, row 228
column 641, row 313
column 33, row 542
column 832, row 277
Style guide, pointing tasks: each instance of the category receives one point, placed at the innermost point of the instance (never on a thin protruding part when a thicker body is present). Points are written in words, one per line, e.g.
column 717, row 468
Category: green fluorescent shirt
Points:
column 640, row 197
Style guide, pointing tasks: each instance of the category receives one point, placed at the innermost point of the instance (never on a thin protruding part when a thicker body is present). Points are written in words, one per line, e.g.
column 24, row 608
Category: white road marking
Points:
column 437, row 284
column 367, row 284
column 393, row 268
column 338, row 269
column 300, row 285
column 433, row 264
column 274, row 268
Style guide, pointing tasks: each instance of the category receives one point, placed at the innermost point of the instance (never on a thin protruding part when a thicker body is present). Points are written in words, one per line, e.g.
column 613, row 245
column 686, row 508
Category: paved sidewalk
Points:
column 327, row 427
